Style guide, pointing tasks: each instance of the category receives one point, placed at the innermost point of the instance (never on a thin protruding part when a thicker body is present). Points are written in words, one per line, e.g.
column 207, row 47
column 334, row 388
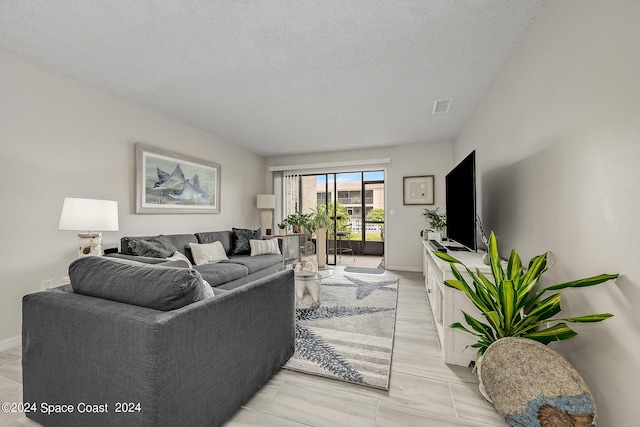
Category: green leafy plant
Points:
column 319, row 219
column 437, row 221
column 298, row 221
column 511, row 306
column 342, row 216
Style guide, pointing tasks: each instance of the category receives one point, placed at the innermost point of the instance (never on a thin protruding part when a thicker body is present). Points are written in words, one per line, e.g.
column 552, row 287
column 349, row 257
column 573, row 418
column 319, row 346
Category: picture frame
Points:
column 169, row 182
column 418, row 190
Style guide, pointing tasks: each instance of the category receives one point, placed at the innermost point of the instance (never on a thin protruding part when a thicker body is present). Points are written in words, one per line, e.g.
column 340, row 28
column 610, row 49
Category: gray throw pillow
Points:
column 241, row 238
column 146, row 285
column 155, row 247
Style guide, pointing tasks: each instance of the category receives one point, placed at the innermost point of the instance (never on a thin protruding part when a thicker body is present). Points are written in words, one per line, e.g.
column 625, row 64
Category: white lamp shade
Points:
column 266, row 201
column 89, row 215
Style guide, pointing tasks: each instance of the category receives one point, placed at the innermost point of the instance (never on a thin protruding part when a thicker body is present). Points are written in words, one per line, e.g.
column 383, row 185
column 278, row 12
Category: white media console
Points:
column 447, row 303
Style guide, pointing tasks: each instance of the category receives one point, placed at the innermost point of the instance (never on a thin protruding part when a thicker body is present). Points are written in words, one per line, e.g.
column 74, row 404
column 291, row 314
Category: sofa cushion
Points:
column 207, row 253
column 255, row 263
column 181, row 241
column 241, row 237
column 224, row 237
column 221, row 272
column 152, row 286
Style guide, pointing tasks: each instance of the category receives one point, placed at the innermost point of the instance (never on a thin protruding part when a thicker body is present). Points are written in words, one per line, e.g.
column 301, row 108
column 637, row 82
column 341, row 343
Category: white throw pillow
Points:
column 264, row 247
column 179, row 256
column 207, row 290
column 207, row 253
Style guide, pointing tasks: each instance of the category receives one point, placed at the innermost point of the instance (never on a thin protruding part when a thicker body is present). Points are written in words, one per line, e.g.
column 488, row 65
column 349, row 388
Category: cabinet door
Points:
column 435, row 294
column 459, row 342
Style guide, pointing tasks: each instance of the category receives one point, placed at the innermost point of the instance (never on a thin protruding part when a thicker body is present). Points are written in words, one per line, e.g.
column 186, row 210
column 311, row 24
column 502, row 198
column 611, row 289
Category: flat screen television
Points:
column 461, row 202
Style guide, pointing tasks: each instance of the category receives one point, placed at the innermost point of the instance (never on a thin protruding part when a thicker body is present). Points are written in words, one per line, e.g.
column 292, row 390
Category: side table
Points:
column 307, row 285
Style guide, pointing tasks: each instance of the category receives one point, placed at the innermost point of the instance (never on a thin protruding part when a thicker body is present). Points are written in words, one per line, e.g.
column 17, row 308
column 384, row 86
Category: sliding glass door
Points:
column 355, row 202
column 373, row 213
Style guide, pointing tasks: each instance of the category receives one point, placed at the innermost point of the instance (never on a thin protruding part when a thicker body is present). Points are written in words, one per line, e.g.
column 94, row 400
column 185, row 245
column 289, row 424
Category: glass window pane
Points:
column 374, row 176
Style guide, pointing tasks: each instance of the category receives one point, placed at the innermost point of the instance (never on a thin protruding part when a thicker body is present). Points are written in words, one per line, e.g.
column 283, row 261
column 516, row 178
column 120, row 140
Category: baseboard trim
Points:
column 403, row 268
column 10, row 343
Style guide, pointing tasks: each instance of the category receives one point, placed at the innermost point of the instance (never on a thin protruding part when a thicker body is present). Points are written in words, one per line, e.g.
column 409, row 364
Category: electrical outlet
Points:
column 47, row 283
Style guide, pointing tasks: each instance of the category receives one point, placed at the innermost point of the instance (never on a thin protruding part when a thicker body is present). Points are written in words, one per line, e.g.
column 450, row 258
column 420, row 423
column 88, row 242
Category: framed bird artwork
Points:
column 168, row 182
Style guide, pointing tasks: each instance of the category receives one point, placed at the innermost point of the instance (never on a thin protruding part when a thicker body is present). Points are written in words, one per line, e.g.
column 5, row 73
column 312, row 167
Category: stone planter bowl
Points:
column 531, row 385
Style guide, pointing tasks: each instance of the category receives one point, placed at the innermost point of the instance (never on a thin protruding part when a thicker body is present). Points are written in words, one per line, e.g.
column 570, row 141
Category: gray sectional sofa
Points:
column 135, row 344
column 239, row 269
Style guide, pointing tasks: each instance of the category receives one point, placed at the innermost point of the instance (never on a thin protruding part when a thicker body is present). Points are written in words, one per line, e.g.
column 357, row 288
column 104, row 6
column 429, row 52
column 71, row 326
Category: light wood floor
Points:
column 423, row 391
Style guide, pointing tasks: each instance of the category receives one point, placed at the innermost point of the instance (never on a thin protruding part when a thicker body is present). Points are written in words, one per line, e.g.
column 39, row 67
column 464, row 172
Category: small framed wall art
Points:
column 418, row 190
column 168, row 182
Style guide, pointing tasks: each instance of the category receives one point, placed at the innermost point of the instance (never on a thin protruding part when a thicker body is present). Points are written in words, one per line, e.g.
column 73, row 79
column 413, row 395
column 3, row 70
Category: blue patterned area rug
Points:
column 349, row 337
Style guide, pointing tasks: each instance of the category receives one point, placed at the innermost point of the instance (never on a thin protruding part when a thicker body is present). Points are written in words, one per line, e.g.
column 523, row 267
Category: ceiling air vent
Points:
column 441, row 106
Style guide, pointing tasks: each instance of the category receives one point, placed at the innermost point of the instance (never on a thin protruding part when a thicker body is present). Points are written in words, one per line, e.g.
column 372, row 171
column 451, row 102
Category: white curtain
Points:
column 291, row 192
column 286, row 187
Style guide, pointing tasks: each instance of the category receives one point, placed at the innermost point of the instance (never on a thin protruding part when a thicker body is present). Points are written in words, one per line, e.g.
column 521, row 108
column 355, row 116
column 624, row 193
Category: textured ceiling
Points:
column 281, row 76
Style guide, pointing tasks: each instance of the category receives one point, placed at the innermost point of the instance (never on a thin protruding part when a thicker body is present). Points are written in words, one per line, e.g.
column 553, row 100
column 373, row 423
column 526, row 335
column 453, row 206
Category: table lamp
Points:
column 90, row 216
column 266, row 202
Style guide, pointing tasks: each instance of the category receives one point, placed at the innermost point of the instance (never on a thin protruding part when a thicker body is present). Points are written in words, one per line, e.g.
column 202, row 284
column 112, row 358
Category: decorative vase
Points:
column 485, row 259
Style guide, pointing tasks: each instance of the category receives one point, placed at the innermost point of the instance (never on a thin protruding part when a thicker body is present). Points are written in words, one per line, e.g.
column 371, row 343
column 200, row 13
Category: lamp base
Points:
column 266, row 220
column 89, row 244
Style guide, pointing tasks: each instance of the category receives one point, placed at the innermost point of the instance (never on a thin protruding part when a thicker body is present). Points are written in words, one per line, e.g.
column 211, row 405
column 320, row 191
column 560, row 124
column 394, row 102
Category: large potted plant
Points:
column 320, row 221
column 510, row 304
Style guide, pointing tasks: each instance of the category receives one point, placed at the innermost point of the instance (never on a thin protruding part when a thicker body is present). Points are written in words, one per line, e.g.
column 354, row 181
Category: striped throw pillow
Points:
column 264, row 247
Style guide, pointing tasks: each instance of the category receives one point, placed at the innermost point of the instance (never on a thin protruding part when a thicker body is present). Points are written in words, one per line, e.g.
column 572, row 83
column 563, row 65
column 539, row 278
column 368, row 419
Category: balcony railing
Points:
column 355, row 200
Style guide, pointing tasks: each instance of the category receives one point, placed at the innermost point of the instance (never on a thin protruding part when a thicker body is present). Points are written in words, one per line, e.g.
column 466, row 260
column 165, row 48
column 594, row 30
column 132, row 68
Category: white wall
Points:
column 558, row 152
column 62, row 139
column 403, row 222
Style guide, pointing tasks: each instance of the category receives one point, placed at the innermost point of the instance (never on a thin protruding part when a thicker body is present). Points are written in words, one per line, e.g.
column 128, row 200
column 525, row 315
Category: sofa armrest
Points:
column 192, row 366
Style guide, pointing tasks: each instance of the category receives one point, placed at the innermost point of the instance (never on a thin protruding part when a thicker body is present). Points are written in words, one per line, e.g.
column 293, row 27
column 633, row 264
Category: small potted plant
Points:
column 282, row 226
column 437, row 222
column 299, row 222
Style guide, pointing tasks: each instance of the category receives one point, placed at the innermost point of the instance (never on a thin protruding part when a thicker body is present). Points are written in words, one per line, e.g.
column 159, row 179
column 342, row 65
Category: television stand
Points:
column 447, row 303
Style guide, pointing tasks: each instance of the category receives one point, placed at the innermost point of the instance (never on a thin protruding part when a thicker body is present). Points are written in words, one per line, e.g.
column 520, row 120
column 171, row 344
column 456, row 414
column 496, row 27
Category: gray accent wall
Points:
column 60, row 138
column 557, row 142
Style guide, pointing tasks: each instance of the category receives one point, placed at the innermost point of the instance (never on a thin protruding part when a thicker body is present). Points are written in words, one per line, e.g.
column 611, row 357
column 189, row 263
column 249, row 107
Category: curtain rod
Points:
column 348, row 163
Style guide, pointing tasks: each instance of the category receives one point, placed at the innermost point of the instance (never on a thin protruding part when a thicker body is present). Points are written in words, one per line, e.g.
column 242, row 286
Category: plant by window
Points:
column 319, row 219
